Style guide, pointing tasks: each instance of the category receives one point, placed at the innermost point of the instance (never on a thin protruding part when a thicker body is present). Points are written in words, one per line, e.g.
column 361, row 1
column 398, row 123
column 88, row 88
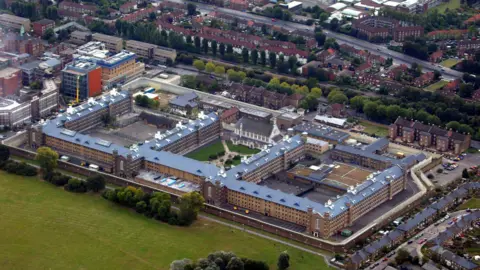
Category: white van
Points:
column 93, row 167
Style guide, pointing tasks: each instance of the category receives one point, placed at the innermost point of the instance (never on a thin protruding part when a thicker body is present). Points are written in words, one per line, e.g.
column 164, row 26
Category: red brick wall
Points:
column 10, row 85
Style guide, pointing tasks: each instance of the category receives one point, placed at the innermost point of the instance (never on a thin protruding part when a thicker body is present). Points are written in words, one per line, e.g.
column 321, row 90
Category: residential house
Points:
column 436, row 56
column 424, row 79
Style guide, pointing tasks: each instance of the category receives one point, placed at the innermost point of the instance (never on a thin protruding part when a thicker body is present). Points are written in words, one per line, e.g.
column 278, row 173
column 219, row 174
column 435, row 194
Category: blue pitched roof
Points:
column 92, row 105
column 184, row 100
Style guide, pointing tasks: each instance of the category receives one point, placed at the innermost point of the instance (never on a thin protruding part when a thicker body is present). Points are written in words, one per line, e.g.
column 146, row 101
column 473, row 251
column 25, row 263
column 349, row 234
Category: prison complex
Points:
column 237, row 186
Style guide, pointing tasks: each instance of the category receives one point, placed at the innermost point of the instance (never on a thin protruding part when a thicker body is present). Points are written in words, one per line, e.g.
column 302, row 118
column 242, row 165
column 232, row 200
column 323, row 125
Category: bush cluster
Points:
column 217, row 155
column 219, row 260
column 94, row 183
column 18, row 168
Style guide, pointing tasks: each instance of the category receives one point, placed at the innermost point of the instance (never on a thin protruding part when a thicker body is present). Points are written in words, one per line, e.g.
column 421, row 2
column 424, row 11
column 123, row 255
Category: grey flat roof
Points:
column 322, row 131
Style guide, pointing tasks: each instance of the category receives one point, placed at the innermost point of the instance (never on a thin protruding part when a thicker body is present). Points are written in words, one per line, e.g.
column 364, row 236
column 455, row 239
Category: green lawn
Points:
column 452, row 4
column 434, row 87
column 374, row 128
column 48, row 228
column 450, row 62
column 203, row 153
column 472, row 204
column 241, row 149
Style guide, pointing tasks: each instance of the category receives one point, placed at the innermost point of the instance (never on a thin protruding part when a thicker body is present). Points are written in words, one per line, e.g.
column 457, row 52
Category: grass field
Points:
column 203, row 153
column 434, row 87
column 452, row 4
column 450, row 62
column 48, row 228
column 374, row 128
column 241, row 149
column 472, row 204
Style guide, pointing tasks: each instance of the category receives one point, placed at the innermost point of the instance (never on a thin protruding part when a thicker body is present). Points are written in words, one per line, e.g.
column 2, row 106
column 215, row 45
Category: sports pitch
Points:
column 348, row 174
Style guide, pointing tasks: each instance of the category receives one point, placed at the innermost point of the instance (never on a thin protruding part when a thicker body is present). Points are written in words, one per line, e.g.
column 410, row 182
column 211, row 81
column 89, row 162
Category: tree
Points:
column 465, row 173
column 436, row 75
column 320, row 38
column 263, row 58
column 357, row 103
column 402, row 256
column 152, row 16
column 214, row 47
column 221, row 49
column 47, row 158
column 254, row 56
column 316, row 92
column 96, row 183
column 337, row 96
column 197, row 42
column 283, row 261
column 4, row 153
column 191, row 9
column 190, row 205
column 229, row 49
column 205, row 46
column 49, row 35
column 51, row 13
column 235, row 264
column 245, row 55
column 199, row 64
column 210, row 67
column 219, row 70
column 272, row 57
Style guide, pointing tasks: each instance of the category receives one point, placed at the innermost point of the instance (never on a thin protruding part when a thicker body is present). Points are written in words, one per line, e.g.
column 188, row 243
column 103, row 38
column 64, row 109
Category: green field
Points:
column 203, row 153
column 452, row 4
column 450, row 62
column 45, row 227
column 472, row 204
column 241, row 149
column 374, row 128
column 434, row 87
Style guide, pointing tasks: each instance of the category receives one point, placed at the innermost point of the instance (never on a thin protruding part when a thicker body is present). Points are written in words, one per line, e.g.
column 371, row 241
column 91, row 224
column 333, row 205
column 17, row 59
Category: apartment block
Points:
column 114, row 44
column 14, row 22
column 81, row 79
column 80, row 37
column 429, row 136
column 142, row 49
column 10, row 81
column 41, row 26
column 163, row 53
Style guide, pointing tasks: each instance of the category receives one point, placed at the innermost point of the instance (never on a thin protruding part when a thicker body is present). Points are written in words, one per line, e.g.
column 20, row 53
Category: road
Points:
column 398, row 58
column 414, row 248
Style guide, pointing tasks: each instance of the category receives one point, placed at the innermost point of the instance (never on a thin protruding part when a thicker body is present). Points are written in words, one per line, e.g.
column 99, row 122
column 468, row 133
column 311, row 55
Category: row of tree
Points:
column 158, row 205
column 222, row 260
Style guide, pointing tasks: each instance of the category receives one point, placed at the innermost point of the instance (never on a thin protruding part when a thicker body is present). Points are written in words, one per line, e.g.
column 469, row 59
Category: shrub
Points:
column 11, row 167
column 141, row 207
column 237, row 157
column 19, row 168
column 75, row 185
column 430, row 176
column 60, row 180
column 228, row 162
column 222, row 153
column 439, row 170
column 96, row 183
column 212, row 157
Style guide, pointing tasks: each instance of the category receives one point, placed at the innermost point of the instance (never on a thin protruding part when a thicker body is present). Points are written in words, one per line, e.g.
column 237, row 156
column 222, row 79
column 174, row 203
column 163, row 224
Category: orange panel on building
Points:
column 95, row 82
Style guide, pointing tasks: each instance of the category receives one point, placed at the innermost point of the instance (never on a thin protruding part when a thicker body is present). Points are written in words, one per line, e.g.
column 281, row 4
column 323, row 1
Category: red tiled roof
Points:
column 473, row 19
column 229, row 112
column 447, row 32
